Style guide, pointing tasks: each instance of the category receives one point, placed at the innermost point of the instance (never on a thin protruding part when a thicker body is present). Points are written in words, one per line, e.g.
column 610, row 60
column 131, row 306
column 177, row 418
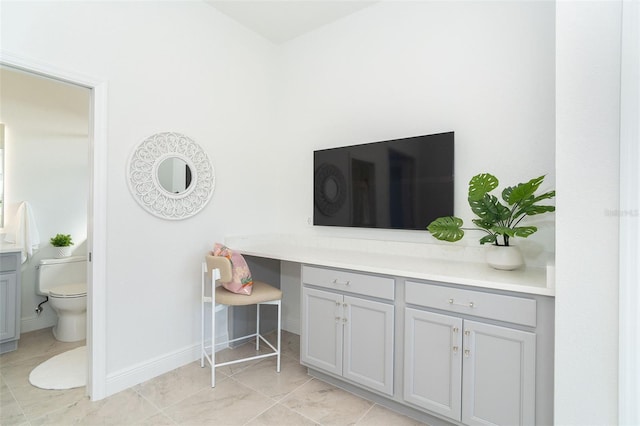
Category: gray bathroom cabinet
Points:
column 10, row 293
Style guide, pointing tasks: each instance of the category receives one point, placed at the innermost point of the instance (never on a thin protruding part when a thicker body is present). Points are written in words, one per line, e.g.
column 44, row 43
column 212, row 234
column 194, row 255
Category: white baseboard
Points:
column 147, row 370
column 37, row 323
column 139, row 373
column 292, row 326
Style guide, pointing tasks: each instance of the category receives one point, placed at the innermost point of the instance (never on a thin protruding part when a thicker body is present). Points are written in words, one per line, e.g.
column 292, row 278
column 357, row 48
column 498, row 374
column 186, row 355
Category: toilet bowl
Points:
column 64, row 282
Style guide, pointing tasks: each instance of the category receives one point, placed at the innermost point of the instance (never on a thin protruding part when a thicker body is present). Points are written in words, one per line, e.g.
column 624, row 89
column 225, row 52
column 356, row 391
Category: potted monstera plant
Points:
column 498, row 219
column 62, row 243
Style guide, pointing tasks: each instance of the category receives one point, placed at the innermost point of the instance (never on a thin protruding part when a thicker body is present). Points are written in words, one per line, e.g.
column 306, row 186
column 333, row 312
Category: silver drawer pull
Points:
column 466, row 305
column 335, row 281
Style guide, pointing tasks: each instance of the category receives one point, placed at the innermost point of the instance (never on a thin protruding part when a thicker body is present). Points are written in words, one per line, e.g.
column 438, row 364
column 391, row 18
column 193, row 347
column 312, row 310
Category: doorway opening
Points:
column 96, row 211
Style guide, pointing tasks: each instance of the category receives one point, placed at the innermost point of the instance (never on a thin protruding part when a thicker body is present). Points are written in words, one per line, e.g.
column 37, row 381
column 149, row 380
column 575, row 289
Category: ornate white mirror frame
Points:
column 152, row 195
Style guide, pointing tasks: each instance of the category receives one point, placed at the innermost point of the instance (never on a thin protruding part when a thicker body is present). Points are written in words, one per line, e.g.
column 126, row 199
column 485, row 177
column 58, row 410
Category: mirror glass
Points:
column 174, row 175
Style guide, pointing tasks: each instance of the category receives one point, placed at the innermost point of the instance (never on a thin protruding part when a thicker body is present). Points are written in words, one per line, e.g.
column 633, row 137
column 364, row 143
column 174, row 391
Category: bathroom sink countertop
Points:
column 9, row 248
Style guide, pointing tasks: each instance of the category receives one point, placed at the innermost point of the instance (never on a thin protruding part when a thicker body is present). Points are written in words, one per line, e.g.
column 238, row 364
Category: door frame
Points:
column 96, row 213
column 629, row 216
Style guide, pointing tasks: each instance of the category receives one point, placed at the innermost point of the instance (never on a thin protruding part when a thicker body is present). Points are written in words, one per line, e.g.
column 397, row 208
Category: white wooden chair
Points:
column 218, row 268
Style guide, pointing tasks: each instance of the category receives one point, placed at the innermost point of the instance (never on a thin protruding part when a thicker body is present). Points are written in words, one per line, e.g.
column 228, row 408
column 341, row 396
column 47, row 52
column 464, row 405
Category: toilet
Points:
column 64, row 281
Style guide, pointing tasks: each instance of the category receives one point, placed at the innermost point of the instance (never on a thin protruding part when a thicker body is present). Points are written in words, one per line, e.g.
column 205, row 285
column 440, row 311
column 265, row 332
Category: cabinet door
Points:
column 321, row 337
column 498, row 375
column 369, row 343
column 8, row 301
column 433, row 362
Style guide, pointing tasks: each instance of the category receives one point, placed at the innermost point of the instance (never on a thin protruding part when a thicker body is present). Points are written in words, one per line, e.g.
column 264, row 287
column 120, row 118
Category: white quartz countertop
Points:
column 529, row 280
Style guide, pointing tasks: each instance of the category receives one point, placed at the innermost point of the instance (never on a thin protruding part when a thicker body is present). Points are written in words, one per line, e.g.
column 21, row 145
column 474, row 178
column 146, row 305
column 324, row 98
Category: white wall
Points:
column 587, row 274
column 170, row 66
column 397, row 69
column 47, row 165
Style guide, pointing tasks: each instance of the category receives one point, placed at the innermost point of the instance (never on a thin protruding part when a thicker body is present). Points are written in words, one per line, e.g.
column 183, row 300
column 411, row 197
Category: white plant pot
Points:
column 61, row 252
column 506, row 258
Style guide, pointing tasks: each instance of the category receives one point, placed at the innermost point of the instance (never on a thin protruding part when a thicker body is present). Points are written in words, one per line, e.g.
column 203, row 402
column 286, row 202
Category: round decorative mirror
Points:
column 170, row 176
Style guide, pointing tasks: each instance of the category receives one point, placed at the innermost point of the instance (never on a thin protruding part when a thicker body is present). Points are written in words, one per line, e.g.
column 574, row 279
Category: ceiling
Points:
column 280, row 21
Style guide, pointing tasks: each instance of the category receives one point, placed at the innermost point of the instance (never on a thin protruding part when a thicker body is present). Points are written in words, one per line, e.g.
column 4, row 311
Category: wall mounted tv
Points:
column 395, row 184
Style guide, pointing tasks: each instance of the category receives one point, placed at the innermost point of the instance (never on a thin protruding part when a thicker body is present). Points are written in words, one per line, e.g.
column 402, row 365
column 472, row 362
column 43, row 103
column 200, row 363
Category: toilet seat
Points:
column 69, row 290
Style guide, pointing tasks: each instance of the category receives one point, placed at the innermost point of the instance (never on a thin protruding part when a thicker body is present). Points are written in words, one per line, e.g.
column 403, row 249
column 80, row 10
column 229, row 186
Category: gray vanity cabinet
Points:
column 433, row 362
column 322, row 339
column 498, row 379
column 432, row 350
column 9, row 301
column 344, row 333
column 471, row 371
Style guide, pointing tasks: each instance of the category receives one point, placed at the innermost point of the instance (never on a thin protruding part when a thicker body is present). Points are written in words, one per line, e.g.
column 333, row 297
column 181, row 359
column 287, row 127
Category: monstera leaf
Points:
column 522, row 191
column 447, row 228
column 489, row 209
column 481, row 184
column 495, row 218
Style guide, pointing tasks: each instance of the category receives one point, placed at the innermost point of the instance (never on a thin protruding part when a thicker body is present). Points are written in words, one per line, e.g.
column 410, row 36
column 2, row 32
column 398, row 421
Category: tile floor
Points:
column 245, row 394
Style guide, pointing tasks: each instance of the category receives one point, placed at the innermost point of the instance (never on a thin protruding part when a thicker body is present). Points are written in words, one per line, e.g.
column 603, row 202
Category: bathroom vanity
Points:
column 431, row 332
column 9, row 299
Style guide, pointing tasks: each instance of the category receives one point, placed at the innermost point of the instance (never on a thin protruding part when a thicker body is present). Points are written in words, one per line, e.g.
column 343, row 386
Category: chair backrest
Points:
column 222, row 264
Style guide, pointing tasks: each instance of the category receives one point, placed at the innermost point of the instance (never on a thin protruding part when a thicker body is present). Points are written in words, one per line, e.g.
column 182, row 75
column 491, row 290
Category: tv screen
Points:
column 396, row 184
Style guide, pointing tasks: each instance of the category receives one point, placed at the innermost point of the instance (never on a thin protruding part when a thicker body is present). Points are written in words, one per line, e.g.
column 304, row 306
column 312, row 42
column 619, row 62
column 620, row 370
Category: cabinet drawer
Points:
column 517, row 310
column 367, row 285
column 9, row 262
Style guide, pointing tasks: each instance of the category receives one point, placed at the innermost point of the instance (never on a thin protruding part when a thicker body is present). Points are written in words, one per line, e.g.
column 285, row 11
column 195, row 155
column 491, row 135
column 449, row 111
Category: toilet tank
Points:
column 55, row 272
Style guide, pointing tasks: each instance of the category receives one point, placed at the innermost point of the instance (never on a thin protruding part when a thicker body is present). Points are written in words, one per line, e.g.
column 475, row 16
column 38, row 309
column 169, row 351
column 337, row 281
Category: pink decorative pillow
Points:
column 241, row 282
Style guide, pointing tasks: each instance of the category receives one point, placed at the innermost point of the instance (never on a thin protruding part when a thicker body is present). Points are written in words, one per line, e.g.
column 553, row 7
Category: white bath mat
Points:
column 65, row 371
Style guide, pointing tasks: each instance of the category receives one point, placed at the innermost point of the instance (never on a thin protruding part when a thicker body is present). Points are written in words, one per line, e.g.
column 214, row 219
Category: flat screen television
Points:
column 396, row 184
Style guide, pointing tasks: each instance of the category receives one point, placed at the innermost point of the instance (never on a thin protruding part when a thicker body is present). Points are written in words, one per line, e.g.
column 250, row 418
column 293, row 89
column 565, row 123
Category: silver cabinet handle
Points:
column 336, row 282
column 466, row 305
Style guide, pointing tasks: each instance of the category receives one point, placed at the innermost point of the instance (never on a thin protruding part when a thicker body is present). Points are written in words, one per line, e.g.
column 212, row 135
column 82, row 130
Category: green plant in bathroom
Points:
column 61, row 240
column 498, row 221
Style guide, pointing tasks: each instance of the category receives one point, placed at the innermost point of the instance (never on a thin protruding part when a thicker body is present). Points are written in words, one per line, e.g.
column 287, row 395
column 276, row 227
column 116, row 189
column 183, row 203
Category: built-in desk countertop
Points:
column 406, row 260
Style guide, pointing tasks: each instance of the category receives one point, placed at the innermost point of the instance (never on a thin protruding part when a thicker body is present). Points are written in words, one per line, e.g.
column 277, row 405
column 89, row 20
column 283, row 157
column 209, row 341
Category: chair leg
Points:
column 202, row 345
column 279, row 334
column 257, row 326
column 213, row 341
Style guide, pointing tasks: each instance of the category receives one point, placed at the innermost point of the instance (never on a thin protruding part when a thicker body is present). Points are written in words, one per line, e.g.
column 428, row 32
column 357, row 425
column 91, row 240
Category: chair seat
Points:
column 262, row 292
